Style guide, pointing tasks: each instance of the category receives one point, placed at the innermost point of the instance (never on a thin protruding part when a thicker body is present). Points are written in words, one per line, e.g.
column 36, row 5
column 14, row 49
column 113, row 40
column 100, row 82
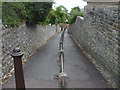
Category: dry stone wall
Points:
column 28, row 39
column 0, row 51
column 97, row 33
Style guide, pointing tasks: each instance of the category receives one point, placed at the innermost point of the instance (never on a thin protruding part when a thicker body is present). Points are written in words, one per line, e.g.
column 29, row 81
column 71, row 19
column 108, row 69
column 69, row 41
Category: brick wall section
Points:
column 97, row 33
column 28, row 39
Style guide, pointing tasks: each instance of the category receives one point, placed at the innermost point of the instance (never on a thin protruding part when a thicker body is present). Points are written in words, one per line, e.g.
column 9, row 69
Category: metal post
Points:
column 61, row 58
column 19, row 77
column 61, row 45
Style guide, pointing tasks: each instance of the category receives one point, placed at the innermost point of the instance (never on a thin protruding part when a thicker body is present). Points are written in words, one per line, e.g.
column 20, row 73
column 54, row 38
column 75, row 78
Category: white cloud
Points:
column 70, row 3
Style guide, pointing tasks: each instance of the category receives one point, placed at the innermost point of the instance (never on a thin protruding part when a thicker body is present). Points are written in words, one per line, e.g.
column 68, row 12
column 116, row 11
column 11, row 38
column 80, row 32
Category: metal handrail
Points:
column 61, row 53
column 62, row 74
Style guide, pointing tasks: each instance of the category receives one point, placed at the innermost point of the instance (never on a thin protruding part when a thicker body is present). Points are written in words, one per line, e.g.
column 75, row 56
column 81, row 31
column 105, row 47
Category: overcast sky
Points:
column 70, row 3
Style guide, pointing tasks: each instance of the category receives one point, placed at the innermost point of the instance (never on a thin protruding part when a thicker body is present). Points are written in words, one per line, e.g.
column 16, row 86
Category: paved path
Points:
column 42, row 67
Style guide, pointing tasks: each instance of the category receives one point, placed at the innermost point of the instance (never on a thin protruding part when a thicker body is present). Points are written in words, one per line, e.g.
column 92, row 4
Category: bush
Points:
column 15, row 13
column 73, row 18
column 38, row 12
column 10, row 14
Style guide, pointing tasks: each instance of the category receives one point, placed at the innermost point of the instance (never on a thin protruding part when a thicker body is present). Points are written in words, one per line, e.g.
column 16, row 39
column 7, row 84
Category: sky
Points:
column 70, row 3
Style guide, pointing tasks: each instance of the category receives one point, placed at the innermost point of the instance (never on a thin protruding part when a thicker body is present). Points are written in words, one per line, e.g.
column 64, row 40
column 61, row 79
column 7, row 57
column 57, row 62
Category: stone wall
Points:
column 0, row 51
column 28, row 39
column 97, row 33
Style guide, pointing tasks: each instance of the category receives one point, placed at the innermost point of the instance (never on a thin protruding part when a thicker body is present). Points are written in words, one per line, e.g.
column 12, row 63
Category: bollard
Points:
column 19, row 77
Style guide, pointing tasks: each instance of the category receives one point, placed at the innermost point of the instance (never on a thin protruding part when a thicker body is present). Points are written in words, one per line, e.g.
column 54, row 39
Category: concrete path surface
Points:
column 44, row 65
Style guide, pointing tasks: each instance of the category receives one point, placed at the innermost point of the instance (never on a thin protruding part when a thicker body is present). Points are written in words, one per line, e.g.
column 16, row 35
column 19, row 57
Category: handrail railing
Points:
column 62, row 74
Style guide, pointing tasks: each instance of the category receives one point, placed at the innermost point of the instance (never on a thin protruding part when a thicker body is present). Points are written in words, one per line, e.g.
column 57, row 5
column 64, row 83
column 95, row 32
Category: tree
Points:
column 61, row 14
column 11, row 13
column 57, row 15
column 37, row 12
column 0, row 9
column 15, row 13
column 52, row 17
column 64, row 9
column 76, row 11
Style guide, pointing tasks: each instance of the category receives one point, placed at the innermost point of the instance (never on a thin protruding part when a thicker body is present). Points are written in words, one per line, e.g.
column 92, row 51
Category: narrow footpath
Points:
column 39, row 72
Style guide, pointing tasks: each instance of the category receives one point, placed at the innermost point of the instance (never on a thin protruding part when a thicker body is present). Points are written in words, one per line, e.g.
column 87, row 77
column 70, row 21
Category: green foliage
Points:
column 60, row 15
column 57, row 16
column 52, row 17
column 11, row 13
column 37, row 12
column 76, row 11
column 61, row 12
column 0, row 9
column 73, row 18
column 15, row 13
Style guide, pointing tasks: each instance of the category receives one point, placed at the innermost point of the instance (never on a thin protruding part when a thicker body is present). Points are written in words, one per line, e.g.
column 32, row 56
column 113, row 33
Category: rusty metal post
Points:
column 19, row 77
